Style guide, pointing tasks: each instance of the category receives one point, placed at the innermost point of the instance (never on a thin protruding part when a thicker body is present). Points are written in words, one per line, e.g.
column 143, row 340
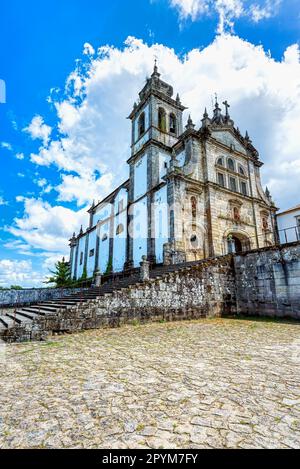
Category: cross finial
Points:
column 227, row 106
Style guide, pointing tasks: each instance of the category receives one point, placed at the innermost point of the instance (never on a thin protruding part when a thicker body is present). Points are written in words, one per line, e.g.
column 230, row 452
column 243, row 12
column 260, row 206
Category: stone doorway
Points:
column 237, row 242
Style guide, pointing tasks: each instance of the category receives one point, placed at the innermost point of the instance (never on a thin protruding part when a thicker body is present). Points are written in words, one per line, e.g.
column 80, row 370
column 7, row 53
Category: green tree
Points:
column 61, row 275
column 16, row 287
column 109, row 266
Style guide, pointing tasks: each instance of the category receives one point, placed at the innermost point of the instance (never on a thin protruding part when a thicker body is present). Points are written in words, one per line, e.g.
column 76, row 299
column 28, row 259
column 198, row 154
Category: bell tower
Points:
column 156, row 116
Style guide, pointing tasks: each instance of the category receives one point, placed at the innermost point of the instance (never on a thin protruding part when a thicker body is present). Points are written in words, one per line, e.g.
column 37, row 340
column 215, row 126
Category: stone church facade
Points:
column 191, row 193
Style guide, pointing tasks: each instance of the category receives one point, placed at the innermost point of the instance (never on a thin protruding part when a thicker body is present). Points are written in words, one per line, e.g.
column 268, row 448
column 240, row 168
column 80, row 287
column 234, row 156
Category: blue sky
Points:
column 73, row 103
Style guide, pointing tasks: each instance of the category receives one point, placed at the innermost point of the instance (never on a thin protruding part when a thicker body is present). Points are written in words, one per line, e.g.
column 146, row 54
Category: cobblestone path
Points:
column 198, row 384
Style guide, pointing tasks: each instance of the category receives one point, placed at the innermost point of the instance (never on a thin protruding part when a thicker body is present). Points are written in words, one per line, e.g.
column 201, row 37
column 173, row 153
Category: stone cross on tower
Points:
column 227, row 106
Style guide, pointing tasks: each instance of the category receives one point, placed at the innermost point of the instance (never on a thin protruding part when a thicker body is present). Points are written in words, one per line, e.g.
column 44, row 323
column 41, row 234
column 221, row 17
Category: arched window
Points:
column 220, row 161
column 120, row 229
column 141, row 124
column 172, row 123
column 162, row 124
column 194, row 207
column 230, row 164
column 241, row 170
column 104, row 237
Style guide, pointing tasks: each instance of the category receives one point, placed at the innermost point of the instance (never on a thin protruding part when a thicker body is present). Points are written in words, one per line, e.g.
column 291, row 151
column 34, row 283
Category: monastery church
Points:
column 191, row 193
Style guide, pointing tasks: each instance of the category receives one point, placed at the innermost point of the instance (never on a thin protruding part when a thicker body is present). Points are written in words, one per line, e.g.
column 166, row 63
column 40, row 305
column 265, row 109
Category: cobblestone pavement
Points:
column 199, row 384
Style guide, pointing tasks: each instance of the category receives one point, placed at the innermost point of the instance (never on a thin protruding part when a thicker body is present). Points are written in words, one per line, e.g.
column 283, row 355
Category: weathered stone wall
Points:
column 12, row 298
column 268, row 281
column 204, row 290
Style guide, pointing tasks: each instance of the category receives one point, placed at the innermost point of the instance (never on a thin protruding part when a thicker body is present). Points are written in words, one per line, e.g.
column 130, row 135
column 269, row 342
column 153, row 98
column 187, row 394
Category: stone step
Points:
column 31, row 316
column 7, row 322
column 18, row 318
column 44, row 307
column 34, row 310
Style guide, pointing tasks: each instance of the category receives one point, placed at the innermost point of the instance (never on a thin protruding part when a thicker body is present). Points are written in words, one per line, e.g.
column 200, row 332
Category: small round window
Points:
column 194, row 241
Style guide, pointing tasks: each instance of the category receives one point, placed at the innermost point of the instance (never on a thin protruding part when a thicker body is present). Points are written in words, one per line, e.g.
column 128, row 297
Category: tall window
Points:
column 221, row 179
column 232, row 184
column 172, row 123
column 241, row 170
column 81, row 258
column 194, row 207
column 230, row 164
column 162, row 124
column 141, row 124
column 220, row 161
column 298, row 226
column 243, row 186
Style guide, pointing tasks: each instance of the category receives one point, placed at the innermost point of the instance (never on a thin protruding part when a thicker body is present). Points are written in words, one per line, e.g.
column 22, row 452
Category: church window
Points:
column 120, row 229
column 221, row 179
column 243, row 186
column 172, row 123
column 194, row 207
column 162, row 125
column 141, row 124
column 104, row 237
column 241, row 170
column 81, row 258
column 232, row 184
column 194, row 241
column 220, row 161
column 230, row 164
column 92, row 253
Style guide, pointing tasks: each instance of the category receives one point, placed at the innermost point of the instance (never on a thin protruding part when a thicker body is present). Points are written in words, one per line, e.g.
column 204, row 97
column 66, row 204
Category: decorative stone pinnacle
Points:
column 247, row 138
column 178, row 99
column 155, row 69
column 190, row 124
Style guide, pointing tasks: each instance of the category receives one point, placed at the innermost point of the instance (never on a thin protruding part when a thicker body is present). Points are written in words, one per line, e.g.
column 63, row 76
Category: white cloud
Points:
column 6, row 145
column 39, row 130
column 84, row 189
column 20, row 156
column 19, row 272
column 2, row 201
column 88, row 49
column 265, row 11
column 191, row 8
column 47, row 227
column 227, row 10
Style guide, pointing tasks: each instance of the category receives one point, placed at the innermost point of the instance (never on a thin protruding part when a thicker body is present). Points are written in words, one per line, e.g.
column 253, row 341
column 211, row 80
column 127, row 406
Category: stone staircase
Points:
column 24, row 316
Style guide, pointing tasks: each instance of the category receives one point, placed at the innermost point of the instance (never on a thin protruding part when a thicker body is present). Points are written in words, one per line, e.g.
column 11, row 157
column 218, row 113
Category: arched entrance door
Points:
column 237, row 243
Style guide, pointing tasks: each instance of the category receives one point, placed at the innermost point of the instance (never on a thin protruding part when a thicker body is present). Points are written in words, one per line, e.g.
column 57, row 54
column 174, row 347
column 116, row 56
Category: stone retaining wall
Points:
column 205, row 290
column 11, row 298
column 268, row 282
column 265, row 282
